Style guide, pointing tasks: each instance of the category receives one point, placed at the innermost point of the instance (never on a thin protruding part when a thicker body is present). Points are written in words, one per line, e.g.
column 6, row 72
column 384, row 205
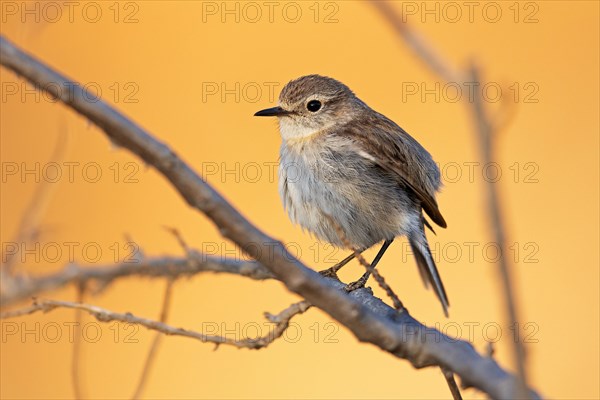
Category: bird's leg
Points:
column 332, row 272
column 363, row 279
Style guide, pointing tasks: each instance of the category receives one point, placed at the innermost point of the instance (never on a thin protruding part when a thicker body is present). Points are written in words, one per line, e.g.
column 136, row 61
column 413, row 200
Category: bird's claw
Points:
column 329, row 273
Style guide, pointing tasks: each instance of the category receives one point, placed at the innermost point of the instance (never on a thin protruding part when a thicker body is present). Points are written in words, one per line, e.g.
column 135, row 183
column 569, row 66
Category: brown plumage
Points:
column 357, row 167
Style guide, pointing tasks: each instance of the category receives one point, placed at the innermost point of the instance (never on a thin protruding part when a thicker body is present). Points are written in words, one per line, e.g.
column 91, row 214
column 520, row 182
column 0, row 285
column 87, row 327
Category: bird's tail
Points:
column 427, row 268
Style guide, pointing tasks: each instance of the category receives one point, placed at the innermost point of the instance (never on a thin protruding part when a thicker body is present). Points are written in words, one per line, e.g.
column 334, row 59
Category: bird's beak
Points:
column 272, row 112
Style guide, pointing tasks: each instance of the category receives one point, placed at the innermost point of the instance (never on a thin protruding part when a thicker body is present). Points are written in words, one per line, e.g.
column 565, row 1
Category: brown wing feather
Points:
column 402, row 155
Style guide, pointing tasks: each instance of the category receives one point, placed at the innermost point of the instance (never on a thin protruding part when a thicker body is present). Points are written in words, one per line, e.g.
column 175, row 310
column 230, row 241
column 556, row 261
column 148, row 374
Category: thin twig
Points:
column 485, row 130
column 381, row 281
column 373, row 271
column 21, row 287
column 454, row 389
column 490, row 350
column 282, row 320
column 485, row 134
column 155, row 343
column 425, row 52
column 164, row 313
column 175, row 232
column 76, row 357
column 30, row 219
column 104, row 315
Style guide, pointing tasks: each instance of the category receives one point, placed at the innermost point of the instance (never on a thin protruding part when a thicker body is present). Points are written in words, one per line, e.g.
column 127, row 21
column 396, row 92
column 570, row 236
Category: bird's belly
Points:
column 362, row 207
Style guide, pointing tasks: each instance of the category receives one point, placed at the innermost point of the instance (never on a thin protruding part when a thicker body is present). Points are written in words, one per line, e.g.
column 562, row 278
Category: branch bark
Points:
column 19, row 287
column 104, row 315
column 485, row 130
column 367, row 317
column 151, row 357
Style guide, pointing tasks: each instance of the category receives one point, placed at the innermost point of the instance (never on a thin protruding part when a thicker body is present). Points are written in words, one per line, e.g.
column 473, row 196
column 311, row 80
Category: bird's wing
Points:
column 394, row 150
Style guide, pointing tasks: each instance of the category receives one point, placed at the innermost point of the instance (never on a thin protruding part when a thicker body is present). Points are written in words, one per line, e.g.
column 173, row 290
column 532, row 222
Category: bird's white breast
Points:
column 297, row 182
column 319, row 185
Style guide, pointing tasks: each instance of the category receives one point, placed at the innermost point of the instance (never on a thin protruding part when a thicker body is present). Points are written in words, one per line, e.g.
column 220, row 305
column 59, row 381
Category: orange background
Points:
column 166, row 58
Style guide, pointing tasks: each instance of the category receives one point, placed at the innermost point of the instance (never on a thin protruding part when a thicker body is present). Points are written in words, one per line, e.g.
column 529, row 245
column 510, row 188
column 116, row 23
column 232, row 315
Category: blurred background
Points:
column 193, row 73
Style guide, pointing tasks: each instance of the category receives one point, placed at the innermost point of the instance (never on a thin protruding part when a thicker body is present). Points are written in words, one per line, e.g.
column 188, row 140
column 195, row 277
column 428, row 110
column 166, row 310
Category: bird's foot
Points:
column 359, row 284
column 330, row 273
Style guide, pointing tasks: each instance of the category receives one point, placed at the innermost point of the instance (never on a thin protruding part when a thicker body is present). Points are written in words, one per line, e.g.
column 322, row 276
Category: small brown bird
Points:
column 342, row 161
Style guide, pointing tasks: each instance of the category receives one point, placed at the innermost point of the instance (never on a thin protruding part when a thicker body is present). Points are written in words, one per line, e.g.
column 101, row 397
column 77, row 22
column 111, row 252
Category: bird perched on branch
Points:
column 344, row 164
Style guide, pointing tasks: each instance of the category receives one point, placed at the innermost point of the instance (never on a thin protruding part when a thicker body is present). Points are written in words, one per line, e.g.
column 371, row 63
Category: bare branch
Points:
column 380, row 279
column 286, row 315
column 454, row 389
column 17, row 287
column 155, row 343
column 180, row 239
column 104, row 315
column 77, row 343
column 29, row 224
column 485, row 131
column 485, row 134
column 367, row 317
column 151, row 357
column 424, row 51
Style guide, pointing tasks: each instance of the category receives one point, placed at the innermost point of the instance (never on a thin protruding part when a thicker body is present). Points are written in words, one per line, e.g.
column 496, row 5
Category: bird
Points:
column 345, row 167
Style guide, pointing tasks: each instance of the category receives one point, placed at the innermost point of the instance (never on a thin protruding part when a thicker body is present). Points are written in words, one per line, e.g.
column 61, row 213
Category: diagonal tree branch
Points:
column 76, row 358
column 367, row 317
column 28, row 226
column 155, row 342
column 485, row 133
column 424, row 51
column 485, row 130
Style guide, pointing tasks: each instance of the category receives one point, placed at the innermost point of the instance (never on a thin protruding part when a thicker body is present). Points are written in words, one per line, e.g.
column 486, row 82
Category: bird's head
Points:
column 312, row 104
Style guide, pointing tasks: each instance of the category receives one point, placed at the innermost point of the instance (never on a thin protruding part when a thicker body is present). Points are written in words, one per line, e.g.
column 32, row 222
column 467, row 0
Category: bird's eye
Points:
column 313, row 105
